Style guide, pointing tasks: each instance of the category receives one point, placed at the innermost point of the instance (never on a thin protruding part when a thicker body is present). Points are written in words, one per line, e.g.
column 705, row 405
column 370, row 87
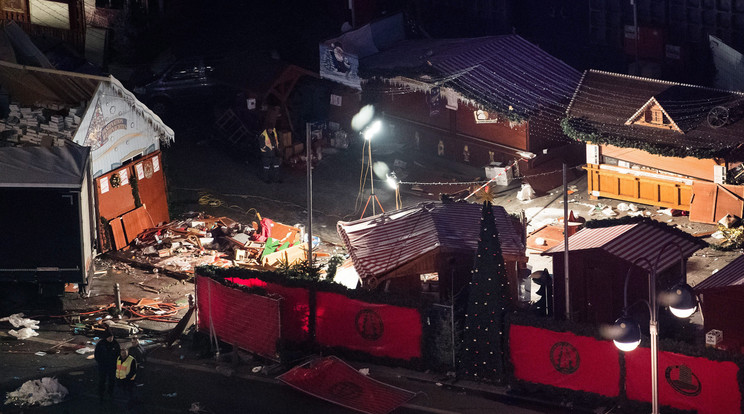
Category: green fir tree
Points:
column 489, row 299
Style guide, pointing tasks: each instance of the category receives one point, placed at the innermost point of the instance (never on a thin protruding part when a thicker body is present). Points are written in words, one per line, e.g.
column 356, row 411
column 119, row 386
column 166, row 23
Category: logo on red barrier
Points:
column 564, row 357
column 683, row 380
column 346, row 390
column 369, row 324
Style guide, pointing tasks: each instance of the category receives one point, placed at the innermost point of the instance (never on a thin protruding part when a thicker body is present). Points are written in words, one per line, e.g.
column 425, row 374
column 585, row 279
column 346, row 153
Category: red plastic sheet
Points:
column 565, row 360
column 380, row 330
column 333, row 380
column 685, row 382
column 247, row 321
column 295, row 307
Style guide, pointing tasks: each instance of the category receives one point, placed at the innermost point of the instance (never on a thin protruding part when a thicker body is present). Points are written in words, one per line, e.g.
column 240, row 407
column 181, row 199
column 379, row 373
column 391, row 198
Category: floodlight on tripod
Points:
column 368, row 133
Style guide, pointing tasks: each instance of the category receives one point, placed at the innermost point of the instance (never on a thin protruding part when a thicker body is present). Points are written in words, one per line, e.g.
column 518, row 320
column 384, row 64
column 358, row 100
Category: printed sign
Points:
column 104, row 185
column 124, row 177
column 140, row 171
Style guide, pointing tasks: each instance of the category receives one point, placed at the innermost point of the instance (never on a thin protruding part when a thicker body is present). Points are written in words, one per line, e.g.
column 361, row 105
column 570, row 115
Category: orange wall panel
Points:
column 688, row 166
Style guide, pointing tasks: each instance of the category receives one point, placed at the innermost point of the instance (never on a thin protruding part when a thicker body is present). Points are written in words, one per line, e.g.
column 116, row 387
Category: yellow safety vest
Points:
column 122, row 368
column 271, row 140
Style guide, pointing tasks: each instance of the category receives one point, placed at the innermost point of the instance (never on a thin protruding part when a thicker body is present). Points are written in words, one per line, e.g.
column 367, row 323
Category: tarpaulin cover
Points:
column 295, row 307
column 565, row 360
column 380, row 330
column 685, row 382
column 250, row 322
column 333, row 380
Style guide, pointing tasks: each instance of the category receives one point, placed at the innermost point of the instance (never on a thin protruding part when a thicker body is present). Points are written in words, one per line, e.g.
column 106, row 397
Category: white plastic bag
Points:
column 23, row 333
column 18, row 320
column 46, row 391
column 526, row 193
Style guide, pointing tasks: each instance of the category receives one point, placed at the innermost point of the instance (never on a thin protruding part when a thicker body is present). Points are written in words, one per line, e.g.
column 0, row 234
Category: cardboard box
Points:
column 713, row 338
column 503, row 174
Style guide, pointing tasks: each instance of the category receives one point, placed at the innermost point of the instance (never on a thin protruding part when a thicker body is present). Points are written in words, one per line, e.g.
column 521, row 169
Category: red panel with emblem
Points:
column 685, row 382
column 379, row 330
column 333, row 380
column 565, row 360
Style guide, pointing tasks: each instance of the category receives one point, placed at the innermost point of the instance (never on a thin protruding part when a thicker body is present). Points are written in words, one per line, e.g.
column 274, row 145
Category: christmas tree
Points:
column 483, row 350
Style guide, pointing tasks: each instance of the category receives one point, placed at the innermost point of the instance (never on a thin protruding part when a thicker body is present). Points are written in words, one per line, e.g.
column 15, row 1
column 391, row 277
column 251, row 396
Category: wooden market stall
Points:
column 661, row 143
column 429, row 247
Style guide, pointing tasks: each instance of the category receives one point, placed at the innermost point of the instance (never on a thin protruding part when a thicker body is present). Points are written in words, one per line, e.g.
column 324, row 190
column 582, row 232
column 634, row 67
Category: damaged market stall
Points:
column 48, row 107
column 429, row 247
column 49, row 228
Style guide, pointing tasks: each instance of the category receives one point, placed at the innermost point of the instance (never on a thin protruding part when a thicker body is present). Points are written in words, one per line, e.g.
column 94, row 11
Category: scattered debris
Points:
column 43, row 392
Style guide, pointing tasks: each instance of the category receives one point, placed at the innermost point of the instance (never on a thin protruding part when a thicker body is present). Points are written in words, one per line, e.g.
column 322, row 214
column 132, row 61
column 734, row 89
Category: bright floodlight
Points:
column 628, row 335
column 392, row 181
column 372, row 129
column 362, row 118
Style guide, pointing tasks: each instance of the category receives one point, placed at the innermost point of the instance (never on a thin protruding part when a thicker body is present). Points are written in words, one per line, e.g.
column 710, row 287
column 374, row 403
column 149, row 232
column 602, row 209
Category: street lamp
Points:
column 394, row 184
column 681, row 302
column 368, row 133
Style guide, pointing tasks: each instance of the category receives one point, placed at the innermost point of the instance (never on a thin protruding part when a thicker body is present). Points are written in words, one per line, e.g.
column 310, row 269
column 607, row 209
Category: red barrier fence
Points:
column 565, row 360
column 379, row 330
column 295, row 307
column 685, row 382
column 251, row 322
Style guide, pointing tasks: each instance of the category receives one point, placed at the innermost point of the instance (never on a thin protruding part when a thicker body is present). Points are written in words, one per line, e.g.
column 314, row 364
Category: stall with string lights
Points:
column 661, row 143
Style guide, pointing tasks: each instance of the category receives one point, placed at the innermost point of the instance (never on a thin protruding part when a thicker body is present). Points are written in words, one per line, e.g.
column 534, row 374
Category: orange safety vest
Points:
column 122, row 368
column 271, row 140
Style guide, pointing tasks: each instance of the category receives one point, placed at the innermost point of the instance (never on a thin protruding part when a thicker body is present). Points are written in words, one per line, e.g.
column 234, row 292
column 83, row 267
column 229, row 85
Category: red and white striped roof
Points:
column 731, row 275
column 630, row 242
column 385, row 242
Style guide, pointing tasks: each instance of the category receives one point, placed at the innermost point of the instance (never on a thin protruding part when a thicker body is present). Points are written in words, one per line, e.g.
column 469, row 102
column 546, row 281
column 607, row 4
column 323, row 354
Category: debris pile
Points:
column 182, row 245
column 46, row 391
column 730, row 232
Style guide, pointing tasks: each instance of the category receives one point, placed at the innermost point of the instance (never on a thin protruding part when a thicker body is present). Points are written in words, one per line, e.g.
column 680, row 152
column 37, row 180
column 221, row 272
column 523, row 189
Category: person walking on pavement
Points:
column 270, row 157
column 107, row 350
column 126, row 371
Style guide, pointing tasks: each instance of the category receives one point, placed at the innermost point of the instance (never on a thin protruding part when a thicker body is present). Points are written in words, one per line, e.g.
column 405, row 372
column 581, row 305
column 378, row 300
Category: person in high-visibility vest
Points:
column 126, row 371
column 270, row 155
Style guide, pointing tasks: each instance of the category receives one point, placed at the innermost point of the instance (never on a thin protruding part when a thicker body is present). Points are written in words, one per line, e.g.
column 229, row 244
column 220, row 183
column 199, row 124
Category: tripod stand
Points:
column 371, row 184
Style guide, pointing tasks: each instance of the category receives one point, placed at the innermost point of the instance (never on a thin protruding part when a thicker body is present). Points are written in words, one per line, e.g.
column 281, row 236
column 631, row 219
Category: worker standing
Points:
column 106, row 353
column 126, row 371
column 270, row 157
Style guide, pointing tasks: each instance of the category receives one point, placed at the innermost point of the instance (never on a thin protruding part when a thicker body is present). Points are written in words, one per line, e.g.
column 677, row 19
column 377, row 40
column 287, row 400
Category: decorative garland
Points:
column 504, row 110
column 219, row 274
column 135, row 191
column 580, row 129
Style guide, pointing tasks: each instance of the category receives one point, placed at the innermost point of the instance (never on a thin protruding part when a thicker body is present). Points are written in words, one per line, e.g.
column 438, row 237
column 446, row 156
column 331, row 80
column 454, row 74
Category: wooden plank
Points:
column 135, row 222
column 117, row 228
